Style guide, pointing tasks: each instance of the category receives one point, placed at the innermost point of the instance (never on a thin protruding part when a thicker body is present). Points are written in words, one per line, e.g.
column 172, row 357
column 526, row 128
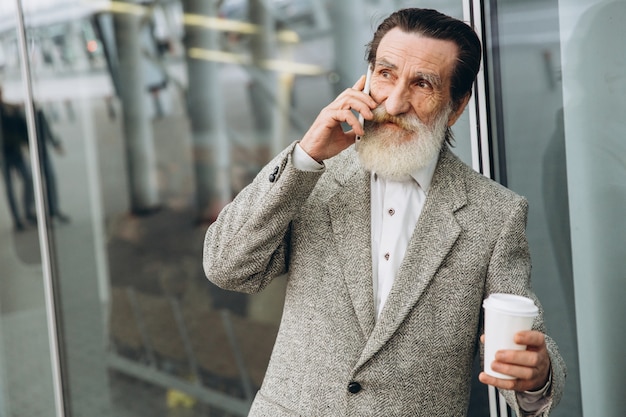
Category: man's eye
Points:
column 423, row 84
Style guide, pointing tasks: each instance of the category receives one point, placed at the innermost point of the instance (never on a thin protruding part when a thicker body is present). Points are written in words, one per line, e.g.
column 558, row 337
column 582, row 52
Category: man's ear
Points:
column 454, row 116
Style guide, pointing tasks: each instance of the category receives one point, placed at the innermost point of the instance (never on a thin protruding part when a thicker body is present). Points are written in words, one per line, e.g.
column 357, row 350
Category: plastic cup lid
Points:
column 511, row 304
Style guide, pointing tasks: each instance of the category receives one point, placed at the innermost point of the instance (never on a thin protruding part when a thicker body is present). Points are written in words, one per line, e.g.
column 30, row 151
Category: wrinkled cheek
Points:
column 429, row 110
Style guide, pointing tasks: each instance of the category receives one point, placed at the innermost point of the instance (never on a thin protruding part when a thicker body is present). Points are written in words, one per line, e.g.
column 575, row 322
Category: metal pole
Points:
column 211, row 147
column 50, row 285
column 138, row 134
column 472, row 12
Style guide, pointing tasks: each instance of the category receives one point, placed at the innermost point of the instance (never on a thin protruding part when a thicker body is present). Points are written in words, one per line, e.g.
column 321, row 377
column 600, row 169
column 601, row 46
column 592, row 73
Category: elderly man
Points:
column 390, row 246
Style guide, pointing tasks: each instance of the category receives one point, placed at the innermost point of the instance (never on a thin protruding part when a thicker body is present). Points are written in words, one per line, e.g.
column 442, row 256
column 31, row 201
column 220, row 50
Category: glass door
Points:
column 525, row 94
column 591, row 36
column 29, row 377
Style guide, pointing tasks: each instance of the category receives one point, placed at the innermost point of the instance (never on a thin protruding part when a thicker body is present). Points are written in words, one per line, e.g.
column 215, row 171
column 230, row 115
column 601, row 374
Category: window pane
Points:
column 527, row 92
column 594, row 91
column 26, row 386
column 158, row 114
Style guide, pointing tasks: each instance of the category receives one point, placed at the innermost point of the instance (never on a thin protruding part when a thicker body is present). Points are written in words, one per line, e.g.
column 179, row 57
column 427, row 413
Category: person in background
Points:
column 390, row 244
column 14, row 137
column 47, row 136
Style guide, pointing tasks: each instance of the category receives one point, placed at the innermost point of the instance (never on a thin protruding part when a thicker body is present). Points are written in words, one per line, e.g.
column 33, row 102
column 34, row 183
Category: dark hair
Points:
column 433, row 24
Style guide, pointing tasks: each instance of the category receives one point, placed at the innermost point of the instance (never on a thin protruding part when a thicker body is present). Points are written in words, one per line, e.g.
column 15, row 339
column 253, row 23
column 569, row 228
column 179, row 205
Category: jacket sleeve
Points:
column 248, row 245
column 509, row 271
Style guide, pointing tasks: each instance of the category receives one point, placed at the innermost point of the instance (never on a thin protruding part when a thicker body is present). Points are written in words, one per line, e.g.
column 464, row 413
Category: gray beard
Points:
column 396, row 154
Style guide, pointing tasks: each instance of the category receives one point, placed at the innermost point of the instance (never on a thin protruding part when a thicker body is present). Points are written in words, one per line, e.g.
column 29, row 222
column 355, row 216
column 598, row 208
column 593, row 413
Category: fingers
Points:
column 530, row 338
column 326, row 138
column 519, row 364
column 516, row 384
column 347, row 116
column 529, row 367
column 355, row 99
column 360, row 84
column 509, row 384
column 529, row 372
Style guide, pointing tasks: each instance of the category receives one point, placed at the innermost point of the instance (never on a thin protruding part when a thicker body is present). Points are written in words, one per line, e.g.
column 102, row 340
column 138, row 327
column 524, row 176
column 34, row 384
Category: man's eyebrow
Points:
column 386, row 64
column 432, row 78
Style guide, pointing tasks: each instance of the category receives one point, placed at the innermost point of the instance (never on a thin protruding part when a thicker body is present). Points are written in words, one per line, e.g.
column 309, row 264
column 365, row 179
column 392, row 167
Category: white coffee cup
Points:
column 505, row 315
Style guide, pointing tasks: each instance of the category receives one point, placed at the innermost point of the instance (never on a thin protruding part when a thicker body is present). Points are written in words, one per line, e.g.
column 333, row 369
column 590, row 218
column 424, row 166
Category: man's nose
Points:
column 397, row 102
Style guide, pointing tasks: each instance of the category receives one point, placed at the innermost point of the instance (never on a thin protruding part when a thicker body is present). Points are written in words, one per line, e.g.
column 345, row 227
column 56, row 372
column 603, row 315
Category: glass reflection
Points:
column 594, row 129
column 164, row 110
column 25, row 366
column 15, row 168
column 525, row 56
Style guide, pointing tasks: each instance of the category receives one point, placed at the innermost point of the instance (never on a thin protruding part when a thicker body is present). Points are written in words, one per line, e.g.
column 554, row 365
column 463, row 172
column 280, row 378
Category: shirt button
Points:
column 391, row 212
column 354, row 387
column 387, row 256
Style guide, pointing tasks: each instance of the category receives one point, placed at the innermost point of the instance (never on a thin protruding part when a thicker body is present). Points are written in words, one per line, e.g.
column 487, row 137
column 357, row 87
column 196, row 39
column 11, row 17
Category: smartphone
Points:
column 366, row 90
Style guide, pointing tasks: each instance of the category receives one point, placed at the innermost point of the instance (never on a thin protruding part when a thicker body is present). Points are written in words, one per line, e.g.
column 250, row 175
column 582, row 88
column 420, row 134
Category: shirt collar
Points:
column 424, row 176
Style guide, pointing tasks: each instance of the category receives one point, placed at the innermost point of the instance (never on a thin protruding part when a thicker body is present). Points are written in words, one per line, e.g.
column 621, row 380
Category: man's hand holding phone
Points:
column 326, row 137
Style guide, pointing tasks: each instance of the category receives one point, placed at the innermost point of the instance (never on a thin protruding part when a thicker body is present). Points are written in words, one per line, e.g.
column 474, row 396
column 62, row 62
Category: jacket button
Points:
column 274, row 174
column 354, row 387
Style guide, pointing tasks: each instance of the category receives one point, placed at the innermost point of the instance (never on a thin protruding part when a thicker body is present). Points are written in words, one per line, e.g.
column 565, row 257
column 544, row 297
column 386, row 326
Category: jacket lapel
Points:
column 432, row 239
column 351, row 222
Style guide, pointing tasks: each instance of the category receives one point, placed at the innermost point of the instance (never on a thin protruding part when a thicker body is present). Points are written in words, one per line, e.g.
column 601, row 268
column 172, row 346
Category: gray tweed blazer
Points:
column 331, row 357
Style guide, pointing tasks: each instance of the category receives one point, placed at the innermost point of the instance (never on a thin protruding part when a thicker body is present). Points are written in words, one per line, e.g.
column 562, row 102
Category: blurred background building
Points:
column 162, row 110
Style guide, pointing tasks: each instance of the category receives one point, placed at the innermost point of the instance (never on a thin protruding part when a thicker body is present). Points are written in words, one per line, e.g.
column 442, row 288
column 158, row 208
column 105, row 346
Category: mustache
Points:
column 406, row 122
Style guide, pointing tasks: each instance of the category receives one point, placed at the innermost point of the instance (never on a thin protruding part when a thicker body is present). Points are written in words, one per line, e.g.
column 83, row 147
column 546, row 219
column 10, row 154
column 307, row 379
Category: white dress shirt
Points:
column 396, row 208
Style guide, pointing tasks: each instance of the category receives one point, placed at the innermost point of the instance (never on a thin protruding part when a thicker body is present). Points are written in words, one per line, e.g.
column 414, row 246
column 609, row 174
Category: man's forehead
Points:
column 398, row 38
column 399, row 48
